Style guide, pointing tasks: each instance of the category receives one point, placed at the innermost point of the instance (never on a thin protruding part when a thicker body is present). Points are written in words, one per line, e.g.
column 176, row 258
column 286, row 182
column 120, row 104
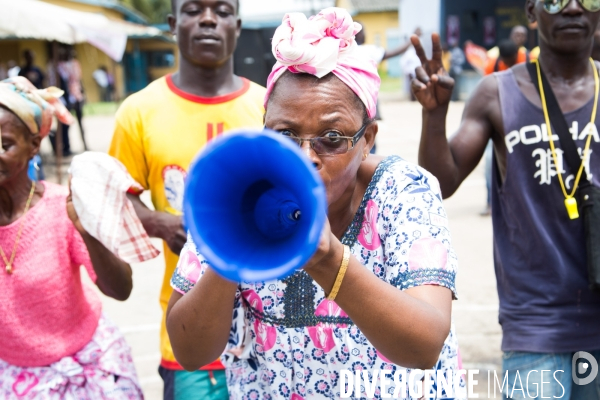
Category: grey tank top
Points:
column 539, row 253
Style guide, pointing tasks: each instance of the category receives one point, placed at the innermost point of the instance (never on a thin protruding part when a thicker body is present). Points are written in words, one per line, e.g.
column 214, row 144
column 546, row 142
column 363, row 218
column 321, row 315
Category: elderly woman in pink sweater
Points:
column 56, row 343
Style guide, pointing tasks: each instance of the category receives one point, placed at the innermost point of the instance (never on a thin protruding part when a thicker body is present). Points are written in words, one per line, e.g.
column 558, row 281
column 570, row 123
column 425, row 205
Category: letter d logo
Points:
column 577, row 370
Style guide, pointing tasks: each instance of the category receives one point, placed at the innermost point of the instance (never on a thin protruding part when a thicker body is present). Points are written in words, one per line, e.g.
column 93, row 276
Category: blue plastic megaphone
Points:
column 254, row 205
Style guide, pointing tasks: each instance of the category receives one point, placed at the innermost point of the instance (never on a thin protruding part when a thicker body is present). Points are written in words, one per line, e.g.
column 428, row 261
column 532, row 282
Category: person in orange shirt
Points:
column 509, row 55
column 518, row 35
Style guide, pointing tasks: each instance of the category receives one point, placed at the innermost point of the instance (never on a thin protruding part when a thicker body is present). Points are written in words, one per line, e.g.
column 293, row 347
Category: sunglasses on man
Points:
column 556, row 6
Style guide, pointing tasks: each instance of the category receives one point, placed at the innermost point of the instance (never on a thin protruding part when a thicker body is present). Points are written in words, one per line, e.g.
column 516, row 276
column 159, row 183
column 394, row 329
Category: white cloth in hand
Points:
column 99, row 186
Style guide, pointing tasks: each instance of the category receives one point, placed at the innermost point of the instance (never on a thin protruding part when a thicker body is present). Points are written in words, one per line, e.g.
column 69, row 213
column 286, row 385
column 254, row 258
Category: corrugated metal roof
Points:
column 21, row 19
column 129, row 13
column 364, row 6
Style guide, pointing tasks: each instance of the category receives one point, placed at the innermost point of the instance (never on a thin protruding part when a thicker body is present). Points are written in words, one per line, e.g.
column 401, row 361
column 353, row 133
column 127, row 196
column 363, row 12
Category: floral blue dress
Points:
column 287, row 341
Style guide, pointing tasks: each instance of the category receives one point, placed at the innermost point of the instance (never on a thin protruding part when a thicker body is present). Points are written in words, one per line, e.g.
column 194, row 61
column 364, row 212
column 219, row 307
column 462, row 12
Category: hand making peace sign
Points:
column 432, row 86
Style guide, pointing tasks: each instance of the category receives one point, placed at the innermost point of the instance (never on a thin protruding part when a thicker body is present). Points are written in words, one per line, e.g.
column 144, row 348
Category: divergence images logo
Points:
column 582, row 367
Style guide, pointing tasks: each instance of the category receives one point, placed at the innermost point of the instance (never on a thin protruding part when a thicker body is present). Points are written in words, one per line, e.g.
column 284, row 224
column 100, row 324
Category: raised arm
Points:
column 391, row 53
column 451, row 161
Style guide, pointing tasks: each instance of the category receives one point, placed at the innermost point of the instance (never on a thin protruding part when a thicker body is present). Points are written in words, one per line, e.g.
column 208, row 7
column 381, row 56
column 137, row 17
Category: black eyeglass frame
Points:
column 565, row 5
column 352, row 140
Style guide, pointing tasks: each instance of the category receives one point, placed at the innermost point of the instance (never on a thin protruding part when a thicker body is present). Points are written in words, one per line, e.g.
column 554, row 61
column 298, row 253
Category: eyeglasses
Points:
column 329, row 145
column 556, row 6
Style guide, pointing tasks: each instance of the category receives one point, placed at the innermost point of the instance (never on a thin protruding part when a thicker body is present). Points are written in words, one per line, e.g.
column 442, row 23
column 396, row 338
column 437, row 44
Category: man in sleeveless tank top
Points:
column 547, row 311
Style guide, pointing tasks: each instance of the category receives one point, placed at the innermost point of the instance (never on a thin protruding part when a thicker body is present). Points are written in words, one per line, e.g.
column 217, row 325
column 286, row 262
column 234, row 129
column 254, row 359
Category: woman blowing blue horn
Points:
column 377, row 294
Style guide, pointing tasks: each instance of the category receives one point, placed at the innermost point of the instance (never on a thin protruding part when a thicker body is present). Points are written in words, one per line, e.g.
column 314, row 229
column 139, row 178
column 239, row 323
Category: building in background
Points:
column 381, row 22
column 253, row 58
column 145, row 59
column 484, row 23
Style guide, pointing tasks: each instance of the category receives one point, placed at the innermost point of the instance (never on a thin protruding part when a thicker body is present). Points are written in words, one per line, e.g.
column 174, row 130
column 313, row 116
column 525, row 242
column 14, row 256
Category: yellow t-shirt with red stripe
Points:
column 158, row 132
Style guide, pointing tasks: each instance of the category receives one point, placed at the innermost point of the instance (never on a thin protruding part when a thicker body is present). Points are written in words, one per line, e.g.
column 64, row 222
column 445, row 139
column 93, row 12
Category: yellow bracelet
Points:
column 341, row 273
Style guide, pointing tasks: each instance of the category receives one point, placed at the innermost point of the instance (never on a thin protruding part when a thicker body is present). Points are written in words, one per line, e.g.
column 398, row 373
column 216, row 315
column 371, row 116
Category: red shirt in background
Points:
column 490, row 67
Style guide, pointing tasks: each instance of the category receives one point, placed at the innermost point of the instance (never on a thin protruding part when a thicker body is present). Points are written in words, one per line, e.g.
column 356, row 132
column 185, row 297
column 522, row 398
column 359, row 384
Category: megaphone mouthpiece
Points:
column 277, row 214
column 296, row 215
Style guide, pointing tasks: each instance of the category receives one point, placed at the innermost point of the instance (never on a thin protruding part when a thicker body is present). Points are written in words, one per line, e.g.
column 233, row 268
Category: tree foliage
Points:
column 155, row 10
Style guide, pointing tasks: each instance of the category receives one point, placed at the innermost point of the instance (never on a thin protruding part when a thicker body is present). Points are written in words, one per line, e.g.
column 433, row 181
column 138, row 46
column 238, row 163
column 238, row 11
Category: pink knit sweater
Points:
column 45, row 312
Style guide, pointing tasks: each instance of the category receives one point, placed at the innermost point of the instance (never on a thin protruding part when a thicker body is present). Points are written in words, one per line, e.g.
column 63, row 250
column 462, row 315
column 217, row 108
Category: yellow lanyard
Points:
column 570, row 201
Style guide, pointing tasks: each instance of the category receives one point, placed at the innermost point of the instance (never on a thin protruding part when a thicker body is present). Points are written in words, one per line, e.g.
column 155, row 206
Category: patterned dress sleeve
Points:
column 417, row 243
column 190, row 268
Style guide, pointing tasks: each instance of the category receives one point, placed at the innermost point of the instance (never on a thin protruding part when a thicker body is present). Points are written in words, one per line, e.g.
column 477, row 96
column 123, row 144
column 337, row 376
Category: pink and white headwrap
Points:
column 321, row 45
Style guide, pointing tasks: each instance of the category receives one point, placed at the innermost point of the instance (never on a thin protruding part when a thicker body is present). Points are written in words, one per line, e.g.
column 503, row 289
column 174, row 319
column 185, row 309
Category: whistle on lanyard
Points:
column 571, row 204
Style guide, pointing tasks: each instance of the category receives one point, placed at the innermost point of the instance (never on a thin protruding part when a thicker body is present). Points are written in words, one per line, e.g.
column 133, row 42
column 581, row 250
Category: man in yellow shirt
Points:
column 161, row 129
